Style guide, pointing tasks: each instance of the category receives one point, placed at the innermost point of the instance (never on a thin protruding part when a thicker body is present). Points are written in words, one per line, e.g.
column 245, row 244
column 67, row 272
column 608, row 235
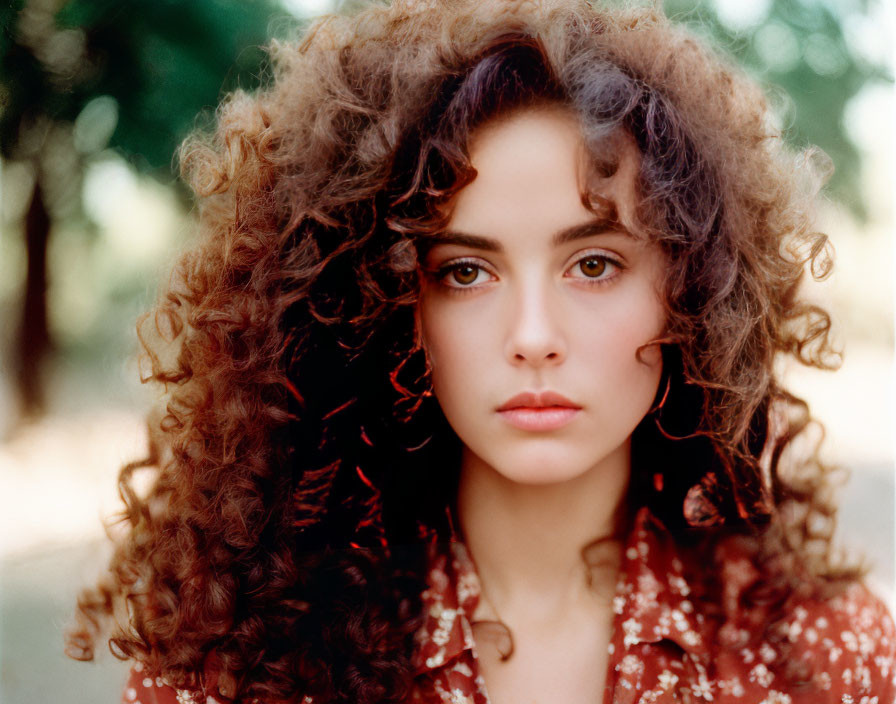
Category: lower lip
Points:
column 548, row 418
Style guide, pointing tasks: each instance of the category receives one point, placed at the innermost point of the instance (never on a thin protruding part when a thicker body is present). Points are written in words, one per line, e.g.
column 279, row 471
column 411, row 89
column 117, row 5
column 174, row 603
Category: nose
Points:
column 535, row 336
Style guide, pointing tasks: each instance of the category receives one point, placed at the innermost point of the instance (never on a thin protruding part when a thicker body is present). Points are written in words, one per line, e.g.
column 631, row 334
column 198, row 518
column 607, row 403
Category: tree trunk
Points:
column 33, row 342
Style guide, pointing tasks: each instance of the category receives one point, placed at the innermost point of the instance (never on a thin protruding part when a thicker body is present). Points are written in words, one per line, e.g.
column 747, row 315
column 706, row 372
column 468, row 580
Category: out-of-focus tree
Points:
column 77, row 77
column 799, row 51
column 80, row 76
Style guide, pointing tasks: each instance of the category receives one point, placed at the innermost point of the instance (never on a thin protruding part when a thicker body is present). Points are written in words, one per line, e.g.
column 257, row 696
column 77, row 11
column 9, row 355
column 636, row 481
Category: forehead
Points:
column 548, row 119
column 511, row 146
column 535, row 170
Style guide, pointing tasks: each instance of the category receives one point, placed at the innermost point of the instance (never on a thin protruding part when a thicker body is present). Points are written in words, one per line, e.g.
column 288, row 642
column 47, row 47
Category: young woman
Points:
column 471, row 385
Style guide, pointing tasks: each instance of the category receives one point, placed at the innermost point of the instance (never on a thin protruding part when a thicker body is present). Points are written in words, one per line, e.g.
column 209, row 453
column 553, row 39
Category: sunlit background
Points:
column 94, row 97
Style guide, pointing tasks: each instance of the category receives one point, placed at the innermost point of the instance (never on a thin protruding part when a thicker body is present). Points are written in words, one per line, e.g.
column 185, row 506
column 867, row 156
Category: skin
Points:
column 538, row 315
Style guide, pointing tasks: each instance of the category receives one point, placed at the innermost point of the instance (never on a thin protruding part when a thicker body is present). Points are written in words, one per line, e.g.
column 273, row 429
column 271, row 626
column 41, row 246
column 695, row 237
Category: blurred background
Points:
column 95, row 96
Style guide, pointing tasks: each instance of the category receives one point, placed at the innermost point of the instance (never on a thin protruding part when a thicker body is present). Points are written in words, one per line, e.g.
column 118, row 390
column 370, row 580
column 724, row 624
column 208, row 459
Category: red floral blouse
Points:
column 663, row 650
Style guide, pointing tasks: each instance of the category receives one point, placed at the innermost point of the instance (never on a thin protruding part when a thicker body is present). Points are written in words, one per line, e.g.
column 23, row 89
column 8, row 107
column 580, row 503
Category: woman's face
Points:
column 528, row 291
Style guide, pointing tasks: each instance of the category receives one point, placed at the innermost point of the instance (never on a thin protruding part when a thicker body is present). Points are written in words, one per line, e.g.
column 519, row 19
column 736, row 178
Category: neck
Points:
column 527, row 539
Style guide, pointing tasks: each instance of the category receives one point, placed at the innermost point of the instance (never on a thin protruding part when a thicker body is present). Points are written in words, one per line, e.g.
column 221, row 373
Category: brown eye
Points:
column 464, row 274
column 593, row 266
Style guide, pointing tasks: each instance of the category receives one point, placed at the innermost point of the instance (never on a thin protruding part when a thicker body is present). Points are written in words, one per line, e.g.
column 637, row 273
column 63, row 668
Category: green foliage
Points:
column 81, row 76
column 161, row 62
column 799, row 51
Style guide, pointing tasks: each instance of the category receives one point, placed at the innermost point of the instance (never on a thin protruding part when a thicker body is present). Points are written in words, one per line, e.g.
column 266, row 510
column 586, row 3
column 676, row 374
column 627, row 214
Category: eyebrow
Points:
column 570, row 234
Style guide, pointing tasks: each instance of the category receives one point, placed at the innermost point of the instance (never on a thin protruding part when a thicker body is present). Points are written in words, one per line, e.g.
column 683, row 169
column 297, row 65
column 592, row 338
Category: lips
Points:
column 543, row 399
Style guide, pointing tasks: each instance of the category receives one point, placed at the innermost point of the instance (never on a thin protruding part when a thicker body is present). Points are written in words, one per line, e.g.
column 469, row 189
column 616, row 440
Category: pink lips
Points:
column 547, row 410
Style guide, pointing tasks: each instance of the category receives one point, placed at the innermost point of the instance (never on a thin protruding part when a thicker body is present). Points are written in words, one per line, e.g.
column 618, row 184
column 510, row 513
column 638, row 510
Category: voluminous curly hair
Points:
column 302, row 464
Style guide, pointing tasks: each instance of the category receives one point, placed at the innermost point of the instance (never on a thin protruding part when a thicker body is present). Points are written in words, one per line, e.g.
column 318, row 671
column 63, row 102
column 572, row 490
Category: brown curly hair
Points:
column 286, row 526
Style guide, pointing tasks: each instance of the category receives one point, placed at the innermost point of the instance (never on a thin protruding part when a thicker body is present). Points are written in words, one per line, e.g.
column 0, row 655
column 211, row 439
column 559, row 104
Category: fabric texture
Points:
column 664, row 649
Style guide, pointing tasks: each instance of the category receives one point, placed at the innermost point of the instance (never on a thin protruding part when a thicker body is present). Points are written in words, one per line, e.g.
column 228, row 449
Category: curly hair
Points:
column 303, row 464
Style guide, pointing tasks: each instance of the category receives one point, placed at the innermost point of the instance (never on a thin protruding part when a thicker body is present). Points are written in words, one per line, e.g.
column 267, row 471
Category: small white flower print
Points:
column 866, row 645
column 732, row 687
column 824, row 680
column 850, row 642
column 678, row 618
column 811, row 636
column 761, row 675
column 632, row 665
column 458, row 697
column 767, row 653
column 702, row 687
column 668, row 680
column 883, row 664
column 631, row 628
column 863, row 677
column 679, row 585
column 643, row 548
column 794, row 631
column 691, row 638
column 467, row 587
column 437, row 659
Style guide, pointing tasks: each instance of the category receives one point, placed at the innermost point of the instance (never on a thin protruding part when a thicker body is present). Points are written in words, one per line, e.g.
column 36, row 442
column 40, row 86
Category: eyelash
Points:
column 441, row 272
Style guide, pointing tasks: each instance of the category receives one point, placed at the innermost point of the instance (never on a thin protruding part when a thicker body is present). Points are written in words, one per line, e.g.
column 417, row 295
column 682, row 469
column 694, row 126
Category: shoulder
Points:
column 840, row 646
column 835, row 644
column 849, row 640
column 142, row 688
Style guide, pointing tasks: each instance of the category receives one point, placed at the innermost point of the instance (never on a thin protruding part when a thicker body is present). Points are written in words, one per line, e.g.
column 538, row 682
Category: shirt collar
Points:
column 449, row 603
column 651, row 603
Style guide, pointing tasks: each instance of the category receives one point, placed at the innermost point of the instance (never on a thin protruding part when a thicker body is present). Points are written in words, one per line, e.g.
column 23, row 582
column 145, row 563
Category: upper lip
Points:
column 542, row 399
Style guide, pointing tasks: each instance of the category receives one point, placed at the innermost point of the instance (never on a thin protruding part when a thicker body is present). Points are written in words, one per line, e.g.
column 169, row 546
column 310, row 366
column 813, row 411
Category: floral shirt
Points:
column 663, row 649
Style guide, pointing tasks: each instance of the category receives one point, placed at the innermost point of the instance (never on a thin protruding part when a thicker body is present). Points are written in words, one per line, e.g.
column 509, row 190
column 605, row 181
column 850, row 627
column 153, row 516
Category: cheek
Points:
column 612, row 349
column 448, row 344
column 457, row 345
column 441, row 331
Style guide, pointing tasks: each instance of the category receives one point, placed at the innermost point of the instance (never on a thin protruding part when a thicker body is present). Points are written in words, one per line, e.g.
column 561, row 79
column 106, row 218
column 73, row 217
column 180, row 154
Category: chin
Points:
column 539, row 477
column 542, row 468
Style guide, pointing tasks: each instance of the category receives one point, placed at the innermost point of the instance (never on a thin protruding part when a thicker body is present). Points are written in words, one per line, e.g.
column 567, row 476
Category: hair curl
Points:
column 286, row 526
